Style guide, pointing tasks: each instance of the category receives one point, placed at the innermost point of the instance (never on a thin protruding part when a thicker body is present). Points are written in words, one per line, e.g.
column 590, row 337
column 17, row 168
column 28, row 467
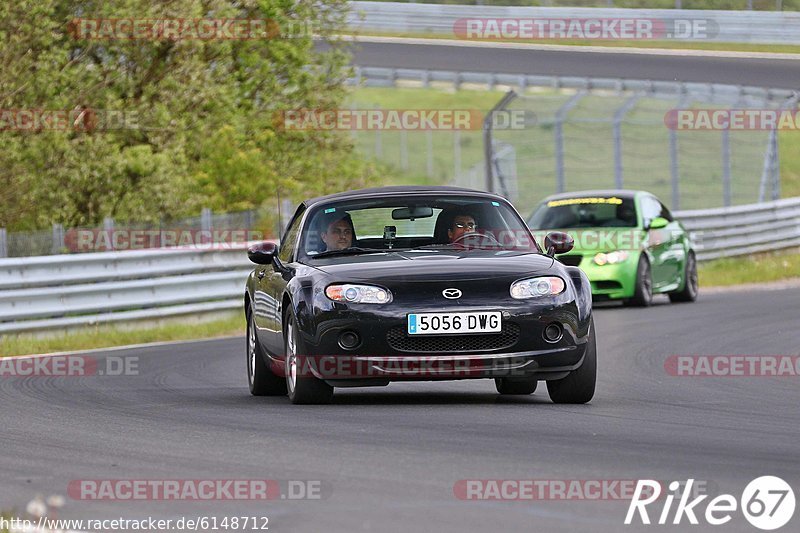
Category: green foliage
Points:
column 200, row 125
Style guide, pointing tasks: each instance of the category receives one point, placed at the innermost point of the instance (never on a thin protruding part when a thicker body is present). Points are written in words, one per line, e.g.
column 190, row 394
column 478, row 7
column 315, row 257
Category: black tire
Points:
column 690, row 285
column 301, row 389
column 515, row 386
column 643, row 295
column 261, row 379
column 579, row 385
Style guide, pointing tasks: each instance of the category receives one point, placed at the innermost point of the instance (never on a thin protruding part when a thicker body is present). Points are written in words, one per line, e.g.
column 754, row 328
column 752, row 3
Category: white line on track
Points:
column 124, row 347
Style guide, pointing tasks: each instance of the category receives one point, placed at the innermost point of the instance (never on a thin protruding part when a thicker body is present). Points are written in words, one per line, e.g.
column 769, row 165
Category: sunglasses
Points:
column 468, row 225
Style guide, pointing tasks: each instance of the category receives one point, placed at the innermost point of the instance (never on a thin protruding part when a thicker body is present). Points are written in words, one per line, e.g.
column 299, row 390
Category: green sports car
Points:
column 627, row 242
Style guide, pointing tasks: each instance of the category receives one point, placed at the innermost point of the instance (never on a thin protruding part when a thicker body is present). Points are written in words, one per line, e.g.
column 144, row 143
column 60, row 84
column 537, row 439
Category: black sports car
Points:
column 411, row 283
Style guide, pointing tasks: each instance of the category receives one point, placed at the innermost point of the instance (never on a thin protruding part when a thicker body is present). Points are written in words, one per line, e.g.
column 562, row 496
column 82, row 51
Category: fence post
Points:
column 619, row 114
column 3, row 243
column 457, row 153
column 429, row 143
column 726, row 168
column 205, row 219
column 58, row 239
column 558, row 130
column 404, row 149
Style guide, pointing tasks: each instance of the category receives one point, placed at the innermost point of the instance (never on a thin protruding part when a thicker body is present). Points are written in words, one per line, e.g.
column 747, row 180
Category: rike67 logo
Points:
column 767, row 502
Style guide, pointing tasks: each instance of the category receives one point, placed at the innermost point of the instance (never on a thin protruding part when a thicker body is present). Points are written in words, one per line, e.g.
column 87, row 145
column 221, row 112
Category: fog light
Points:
column 349, row 340
column 553, row 332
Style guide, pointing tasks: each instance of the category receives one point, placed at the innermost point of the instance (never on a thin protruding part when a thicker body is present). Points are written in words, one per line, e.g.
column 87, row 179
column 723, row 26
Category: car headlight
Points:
column 537, row 287
column 611, row 258
column 358, row 294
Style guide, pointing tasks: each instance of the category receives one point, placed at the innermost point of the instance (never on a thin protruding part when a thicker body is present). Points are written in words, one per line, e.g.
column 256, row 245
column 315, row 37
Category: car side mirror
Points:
column 658, row 223
column 262, row 253
column 558, row 243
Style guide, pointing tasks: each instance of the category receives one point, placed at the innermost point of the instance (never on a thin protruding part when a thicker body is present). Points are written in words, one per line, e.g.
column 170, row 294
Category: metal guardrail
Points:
column 61, row 291
column 52, row 292
column 758, row 27
column 745, row 229
column 711, row 92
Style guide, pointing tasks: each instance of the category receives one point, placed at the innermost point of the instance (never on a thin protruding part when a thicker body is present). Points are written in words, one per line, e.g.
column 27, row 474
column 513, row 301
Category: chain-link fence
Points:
column 206, row 230
column 599, row 139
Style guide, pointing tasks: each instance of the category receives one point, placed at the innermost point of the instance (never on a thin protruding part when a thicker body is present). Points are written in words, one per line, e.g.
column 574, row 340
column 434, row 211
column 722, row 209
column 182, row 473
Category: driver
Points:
column 462, row 223
column 338, row 233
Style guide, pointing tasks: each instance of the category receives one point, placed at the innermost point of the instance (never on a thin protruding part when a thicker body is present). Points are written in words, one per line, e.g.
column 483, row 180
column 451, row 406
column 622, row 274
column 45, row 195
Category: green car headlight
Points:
column 611, row 258
column 537, row 287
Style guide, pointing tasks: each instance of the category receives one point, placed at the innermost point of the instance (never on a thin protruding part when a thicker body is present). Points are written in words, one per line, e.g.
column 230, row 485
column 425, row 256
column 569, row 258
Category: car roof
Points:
column 405, row 190
column 620, row 193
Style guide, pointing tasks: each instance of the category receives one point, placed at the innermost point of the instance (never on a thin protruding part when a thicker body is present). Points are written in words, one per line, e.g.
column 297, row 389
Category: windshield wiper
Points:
column 353, row 250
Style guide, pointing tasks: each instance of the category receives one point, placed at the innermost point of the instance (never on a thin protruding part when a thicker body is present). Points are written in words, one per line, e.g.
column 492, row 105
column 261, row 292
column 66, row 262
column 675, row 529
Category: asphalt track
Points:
column 388, row 458
column 755, row 71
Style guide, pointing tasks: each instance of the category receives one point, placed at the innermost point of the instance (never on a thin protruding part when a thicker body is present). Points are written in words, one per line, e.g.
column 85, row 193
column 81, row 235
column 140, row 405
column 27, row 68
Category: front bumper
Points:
column 611, row 281
column 379, row 358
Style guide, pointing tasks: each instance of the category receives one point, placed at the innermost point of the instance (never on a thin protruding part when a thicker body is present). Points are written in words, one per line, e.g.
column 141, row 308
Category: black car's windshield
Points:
column 406, row 223
column 586, row 212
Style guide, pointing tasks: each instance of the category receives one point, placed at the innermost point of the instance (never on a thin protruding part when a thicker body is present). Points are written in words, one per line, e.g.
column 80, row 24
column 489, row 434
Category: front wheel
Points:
column 579, row 385
column 690, row 284
column 301, row 389
column 262, row 381
column 643, row 294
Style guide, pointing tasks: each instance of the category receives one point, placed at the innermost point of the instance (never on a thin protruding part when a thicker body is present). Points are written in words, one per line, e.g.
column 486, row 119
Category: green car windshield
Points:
column 585, row 212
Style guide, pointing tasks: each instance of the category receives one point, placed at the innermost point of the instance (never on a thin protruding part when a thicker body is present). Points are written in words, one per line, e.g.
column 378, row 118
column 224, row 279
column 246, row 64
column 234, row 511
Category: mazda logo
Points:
column 451, row 294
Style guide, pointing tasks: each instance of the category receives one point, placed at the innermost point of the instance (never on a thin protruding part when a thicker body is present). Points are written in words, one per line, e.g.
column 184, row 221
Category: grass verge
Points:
column 108, row 336
column 756, row 268
column 610, row 43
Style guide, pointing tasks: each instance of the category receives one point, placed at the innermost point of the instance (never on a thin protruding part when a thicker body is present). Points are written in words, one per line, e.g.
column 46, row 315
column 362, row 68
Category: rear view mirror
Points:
column 558, row 243
column 410, row 213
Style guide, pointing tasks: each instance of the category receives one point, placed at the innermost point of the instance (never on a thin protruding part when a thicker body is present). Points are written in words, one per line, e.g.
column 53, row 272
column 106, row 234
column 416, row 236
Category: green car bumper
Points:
column 609, row 282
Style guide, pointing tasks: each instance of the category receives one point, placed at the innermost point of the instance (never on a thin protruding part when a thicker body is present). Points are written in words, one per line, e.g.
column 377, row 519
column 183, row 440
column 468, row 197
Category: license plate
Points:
column 454, row 323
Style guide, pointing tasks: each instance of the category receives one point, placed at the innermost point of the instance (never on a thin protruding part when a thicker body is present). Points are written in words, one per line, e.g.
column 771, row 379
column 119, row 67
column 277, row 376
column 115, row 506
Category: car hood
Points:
column 593, row 240
column 430, row 266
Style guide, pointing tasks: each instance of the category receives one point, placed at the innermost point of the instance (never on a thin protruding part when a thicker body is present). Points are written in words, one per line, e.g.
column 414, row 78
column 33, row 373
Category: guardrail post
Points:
column 58, row 239
column 3, row 243
column 558, row 132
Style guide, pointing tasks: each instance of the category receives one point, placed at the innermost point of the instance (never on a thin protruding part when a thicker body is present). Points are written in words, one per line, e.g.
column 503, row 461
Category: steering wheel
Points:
column 477, row 236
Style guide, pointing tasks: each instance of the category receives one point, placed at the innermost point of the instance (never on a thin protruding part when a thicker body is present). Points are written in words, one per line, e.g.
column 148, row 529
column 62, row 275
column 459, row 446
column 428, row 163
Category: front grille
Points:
column 482, row 342
column 570, row 260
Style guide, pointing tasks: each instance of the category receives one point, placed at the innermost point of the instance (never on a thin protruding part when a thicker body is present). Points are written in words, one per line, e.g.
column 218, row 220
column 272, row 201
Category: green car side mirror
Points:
column 658, row 223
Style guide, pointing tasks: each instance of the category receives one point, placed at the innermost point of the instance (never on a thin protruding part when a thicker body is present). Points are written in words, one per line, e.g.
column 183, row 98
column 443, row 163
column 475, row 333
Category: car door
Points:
column 657, row 243
column 276, row 279
column 270, row 284
column 676, row 246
